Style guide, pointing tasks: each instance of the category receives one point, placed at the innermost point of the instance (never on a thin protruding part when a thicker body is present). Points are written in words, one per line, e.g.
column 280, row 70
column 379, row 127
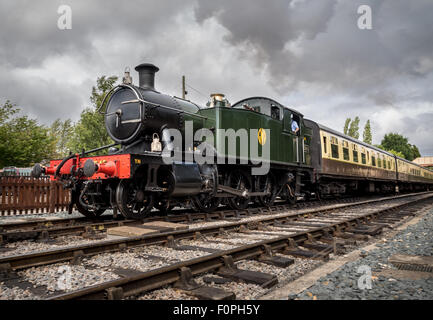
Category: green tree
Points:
column 354, row 128
column 61, row 131
column 7, row 111
column 23, row 141
column 366, row 136
column 346, row 126
column 415, row 151
column 89, row 132
column 398, row 154
column 398, row 143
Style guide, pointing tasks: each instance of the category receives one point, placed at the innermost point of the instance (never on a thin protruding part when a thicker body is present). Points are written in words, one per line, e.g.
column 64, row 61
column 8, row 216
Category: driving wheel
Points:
column 239, row 180
column 266, row 183
column 206, row 203
column 132, row 201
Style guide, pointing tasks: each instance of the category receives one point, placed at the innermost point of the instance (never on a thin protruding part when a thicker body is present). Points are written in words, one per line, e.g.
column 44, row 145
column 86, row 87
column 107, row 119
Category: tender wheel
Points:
column 132, row 201
column 239, row 180
column 205, row 202
column 266, row 183
column 89, row 202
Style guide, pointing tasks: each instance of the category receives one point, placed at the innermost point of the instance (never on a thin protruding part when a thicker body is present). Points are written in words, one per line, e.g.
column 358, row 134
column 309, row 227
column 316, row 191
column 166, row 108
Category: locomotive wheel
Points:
column 132, row 201
column 266, row 183
column 206, row 203
column 88, row 200
column 237, row 179
column 164, row 207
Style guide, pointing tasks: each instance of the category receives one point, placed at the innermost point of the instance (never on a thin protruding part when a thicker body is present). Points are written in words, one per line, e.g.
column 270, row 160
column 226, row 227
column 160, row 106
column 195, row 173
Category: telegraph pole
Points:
column 183, row 87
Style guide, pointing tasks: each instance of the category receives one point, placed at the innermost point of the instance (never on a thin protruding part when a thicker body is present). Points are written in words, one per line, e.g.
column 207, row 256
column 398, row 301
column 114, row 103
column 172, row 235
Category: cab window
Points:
column 275, row 112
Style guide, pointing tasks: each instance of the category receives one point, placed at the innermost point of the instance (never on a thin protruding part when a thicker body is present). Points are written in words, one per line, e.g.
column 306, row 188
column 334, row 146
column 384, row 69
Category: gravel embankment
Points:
column 387, row 283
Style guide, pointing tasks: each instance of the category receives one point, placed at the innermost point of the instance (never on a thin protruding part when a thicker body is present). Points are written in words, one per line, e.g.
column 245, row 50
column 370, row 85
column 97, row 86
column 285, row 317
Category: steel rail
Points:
column 40, row 227
column 51, row 228
column 43, row 228
column 18, row 231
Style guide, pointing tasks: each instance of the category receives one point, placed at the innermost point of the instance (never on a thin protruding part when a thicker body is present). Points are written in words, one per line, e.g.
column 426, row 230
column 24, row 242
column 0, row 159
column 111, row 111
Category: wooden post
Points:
column 53, row 197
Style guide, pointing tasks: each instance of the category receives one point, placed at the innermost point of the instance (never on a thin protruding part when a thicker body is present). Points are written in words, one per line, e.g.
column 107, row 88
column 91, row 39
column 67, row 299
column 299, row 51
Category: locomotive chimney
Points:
column 146, row 75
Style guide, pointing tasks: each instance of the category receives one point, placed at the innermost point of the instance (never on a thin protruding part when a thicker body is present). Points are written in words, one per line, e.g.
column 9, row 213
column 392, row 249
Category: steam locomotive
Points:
column 135, row 176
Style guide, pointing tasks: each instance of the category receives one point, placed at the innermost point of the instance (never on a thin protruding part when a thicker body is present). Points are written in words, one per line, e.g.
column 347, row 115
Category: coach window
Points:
column 334, row 147
column 355, row 153
column 379, row 161
column 373, row 160
column 363, row 159
column 325, row 147
column 384, row 163
column 346, row 150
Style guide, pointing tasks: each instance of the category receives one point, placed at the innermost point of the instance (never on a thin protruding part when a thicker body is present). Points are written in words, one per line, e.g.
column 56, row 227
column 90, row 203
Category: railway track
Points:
column 43, row 229
column 317, row 241
column 287, row 231
column 270, row 215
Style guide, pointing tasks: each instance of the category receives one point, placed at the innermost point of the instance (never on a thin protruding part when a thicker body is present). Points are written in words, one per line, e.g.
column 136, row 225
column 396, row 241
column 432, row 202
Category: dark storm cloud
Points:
column 307, row 54
column 31, row 43
column 316, row 47
column 333, row 50
column 29, row 30
column 267, row 26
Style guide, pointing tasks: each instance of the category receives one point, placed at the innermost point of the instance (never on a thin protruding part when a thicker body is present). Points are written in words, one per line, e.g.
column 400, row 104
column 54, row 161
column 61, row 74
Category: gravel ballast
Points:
column 387, row 282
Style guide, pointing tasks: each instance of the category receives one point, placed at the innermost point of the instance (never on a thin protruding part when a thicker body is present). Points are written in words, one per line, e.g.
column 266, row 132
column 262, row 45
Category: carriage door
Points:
column 298, row 143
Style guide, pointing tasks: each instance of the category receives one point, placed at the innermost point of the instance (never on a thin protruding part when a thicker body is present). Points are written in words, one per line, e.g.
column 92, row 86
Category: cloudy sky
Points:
column 309, row 55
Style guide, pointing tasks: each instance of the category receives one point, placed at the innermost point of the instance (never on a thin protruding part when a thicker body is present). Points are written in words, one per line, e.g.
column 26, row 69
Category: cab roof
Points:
column 270, row 100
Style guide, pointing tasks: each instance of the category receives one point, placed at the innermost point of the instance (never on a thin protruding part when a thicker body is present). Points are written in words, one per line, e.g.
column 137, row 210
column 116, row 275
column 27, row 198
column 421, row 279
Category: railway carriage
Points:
column 347, row 165
column 412, row 176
